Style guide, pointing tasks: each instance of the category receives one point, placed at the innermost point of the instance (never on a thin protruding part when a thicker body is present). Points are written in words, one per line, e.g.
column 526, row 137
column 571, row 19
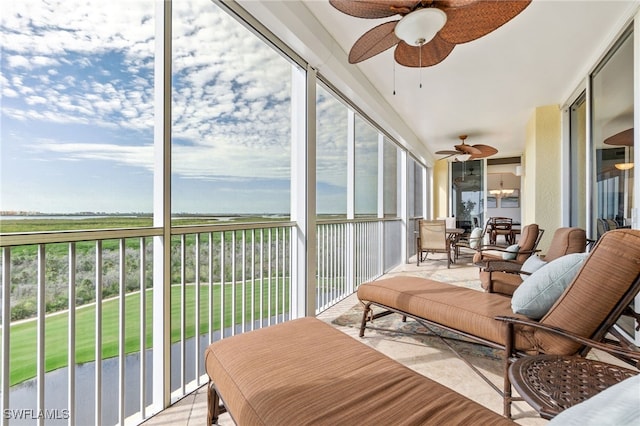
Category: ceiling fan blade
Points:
column 447, row 152
column 373, row 9
column 624, row 138
column 485, row 151
column 477, row 19
column 433, row 53
column 468, row 149
column 376, row 40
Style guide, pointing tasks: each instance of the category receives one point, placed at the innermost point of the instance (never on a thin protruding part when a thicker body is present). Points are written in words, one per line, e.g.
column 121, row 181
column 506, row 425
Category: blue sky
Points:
column 77, row 111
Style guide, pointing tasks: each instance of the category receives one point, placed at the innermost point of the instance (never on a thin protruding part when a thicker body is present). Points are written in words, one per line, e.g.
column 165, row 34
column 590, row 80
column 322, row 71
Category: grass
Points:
column 23, row 335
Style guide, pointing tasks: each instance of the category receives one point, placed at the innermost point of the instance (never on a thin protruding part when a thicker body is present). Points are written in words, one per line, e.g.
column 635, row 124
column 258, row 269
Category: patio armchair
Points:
column 515, row 254
column 588, row 307
column 432, row 238
column 504, row 277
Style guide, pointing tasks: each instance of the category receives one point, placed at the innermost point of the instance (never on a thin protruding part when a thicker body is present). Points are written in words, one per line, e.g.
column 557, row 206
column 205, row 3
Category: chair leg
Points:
column 508, row 354
column 365, row 314
column 213, row 404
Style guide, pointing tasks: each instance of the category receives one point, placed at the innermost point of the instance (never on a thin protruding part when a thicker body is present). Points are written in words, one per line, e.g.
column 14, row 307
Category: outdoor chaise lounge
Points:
column 306, row 372
column 604, row 286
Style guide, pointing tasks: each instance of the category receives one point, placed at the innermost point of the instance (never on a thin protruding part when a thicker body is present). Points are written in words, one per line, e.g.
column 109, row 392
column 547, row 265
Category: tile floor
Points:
column 440, row 365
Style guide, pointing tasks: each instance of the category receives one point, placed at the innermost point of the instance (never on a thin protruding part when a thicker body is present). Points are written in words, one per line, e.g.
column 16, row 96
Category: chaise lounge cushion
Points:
column 305, row 372
column 464, row 309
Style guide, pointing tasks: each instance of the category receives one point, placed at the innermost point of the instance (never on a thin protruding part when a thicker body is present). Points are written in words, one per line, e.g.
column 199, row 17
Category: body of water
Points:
column 23, row 397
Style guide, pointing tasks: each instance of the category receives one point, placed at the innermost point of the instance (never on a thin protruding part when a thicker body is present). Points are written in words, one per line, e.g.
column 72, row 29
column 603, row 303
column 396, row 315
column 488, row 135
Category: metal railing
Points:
column 225, row 279
column 350, row 252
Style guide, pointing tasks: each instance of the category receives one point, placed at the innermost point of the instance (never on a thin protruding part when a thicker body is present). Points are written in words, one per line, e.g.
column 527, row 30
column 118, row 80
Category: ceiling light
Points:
column 624, row 166
column 419, row 27
column 463, row 157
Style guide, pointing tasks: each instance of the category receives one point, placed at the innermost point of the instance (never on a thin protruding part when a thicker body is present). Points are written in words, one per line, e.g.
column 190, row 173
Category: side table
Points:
column 553, row 383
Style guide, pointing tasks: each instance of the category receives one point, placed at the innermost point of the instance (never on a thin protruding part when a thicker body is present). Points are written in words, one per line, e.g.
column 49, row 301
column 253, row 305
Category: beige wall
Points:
column 541, row 202
column 541, row 164
column 440, row 189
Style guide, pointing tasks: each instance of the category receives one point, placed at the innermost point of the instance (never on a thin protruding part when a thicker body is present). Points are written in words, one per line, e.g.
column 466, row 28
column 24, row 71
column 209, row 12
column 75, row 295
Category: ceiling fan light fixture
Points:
column 463, row 157
column 419, row 27
column 624, row 166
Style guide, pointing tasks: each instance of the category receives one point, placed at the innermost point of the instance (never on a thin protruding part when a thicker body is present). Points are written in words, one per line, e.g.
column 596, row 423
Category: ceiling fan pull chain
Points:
column 394, row 78
column 420, row 71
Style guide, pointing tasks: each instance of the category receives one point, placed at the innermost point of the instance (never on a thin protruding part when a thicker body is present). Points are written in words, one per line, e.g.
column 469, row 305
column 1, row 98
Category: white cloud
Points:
column 90, row 63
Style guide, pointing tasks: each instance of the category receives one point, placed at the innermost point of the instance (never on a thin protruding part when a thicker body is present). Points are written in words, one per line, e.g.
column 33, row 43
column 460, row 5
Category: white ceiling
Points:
column 487, row 88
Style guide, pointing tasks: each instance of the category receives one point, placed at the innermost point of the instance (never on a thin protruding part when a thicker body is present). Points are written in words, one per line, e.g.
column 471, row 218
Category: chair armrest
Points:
column 502, row 265
column 631, row 357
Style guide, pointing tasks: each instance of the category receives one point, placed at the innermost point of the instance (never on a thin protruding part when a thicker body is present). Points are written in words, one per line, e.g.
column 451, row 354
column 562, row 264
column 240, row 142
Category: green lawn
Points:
column 23, row 335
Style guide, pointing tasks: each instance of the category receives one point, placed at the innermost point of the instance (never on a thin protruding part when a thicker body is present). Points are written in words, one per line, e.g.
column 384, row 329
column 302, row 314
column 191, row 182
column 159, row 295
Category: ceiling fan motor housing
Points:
column 420, row 26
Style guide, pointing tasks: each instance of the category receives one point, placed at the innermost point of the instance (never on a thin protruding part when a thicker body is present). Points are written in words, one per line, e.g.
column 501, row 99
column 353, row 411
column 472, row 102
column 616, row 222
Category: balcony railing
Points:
column 224, row 279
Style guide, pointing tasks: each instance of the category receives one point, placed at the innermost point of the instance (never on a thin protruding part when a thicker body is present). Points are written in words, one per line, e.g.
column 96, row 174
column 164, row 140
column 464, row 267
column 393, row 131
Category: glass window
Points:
column 331, row 160
column 577, row 154
column 231, row 129
column 418, row 189
column 612, row 124
column 366, row 168
column 391, row 179
column 467, row 193
column 77, row 111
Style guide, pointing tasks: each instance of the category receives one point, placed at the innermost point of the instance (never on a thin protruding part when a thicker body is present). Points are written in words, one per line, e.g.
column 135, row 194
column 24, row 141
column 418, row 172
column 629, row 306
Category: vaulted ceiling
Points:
column 487, row 88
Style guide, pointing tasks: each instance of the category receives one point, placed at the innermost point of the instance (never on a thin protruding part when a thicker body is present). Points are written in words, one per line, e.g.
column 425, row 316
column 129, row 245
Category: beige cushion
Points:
column 305, row 372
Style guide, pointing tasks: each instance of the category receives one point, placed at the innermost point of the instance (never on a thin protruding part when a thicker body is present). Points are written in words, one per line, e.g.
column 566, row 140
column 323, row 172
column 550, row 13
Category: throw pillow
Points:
column 511, row 252
column 617, row 405
column 537, row 294
column 474, row 238
column 532, row 264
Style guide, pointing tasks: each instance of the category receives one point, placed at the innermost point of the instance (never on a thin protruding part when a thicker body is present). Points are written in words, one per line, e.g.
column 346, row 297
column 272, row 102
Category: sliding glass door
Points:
column 467, row 193
column 612, row 138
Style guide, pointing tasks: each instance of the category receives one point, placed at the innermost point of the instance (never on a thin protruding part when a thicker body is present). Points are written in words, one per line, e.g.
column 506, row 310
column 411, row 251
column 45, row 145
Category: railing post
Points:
column 6, row 329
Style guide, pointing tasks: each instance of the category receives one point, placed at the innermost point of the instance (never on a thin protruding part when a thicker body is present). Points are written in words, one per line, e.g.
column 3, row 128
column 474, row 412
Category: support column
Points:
column 303, row 191
column 162, row 211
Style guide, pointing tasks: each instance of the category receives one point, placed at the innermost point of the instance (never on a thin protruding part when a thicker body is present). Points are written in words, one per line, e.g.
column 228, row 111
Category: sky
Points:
column 77, row 112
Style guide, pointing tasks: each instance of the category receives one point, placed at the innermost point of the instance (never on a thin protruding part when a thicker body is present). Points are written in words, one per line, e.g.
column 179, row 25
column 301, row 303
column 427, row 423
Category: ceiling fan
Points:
column 428, row 30
column 464, row 152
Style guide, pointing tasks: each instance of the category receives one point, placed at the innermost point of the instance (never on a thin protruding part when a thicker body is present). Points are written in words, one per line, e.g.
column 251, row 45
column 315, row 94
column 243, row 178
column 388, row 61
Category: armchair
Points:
column 527, row 245
column 432, row 238
column 504, row 277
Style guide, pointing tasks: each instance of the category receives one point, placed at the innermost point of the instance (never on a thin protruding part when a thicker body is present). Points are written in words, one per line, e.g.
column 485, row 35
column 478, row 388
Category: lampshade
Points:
column 463, row 157
column 624, row 166
column 419, row 27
